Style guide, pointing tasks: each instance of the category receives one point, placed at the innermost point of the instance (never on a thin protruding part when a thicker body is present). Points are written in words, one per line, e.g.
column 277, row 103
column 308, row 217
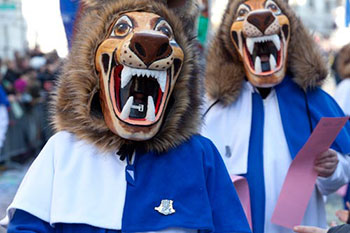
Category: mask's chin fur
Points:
column 75, row 103
column 305, row 61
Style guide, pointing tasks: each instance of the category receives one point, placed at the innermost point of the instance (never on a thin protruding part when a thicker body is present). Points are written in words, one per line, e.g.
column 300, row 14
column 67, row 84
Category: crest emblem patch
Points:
column 165, row 207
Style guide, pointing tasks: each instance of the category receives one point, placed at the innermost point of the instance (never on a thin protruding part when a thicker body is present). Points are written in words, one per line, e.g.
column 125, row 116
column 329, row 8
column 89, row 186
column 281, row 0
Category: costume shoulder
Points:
column 228, row 214
column 306, row 107
column 323, row 105
column 34, row 193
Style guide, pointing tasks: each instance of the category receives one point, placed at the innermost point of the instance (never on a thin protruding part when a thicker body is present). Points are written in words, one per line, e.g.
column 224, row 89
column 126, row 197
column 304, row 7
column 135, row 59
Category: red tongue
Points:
column 264, row 58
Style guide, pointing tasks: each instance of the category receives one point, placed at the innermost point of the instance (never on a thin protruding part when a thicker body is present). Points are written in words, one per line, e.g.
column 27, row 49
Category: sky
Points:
column 44, row 25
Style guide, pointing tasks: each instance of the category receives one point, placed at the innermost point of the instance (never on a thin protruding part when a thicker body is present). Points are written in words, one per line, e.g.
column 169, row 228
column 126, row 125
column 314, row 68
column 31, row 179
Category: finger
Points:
column 328, row 165
column 348, row 205
column 304, row 229
column 326, row 160
column 327, row 153
column 321, row 170
column 301, row 229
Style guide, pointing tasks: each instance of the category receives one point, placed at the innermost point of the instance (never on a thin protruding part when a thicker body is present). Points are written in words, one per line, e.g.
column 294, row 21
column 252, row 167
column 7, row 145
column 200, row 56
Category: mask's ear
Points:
column 175, row 3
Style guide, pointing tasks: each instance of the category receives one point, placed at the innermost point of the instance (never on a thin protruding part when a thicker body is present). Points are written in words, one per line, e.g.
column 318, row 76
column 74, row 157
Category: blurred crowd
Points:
column 27, row 81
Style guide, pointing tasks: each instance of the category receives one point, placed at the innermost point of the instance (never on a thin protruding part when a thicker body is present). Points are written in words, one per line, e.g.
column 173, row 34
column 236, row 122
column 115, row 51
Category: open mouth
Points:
column 139, row 96
column 264, row 54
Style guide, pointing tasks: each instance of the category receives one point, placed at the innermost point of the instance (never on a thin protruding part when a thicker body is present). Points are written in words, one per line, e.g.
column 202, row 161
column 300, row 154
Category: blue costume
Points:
column 299, row 113
column 192, row 175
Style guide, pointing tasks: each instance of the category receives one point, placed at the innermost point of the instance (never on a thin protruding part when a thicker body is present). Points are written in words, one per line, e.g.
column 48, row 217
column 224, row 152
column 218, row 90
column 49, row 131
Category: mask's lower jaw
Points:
column 139, row 96
column 264, row 55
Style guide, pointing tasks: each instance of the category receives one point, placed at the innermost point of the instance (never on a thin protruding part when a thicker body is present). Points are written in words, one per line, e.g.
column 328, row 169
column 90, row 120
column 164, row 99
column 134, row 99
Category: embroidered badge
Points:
column 166, row 207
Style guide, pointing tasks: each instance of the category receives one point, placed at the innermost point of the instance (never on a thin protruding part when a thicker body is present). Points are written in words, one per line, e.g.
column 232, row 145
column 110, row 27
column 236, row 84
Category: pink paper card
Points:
column 242, row 188
column 301, row 177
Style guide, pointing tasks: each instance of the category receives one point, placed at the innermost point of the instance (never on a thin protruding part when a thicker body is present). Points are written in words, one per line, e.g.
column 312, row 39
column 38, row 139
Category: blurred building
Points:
column 318, row 16
column 12, row 28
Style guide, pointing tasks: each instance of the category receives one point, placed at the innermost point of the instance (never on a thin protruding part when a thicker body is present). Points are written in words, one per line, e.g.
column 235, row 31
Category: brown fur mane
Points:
column 225, row 72
column 75, row 104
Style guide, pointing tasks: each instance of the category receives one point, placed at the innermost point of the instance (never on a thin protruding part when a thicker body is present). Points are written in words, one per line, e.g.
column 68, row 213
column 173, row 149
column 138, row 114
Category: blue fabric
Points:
column 24, row 222
column 347, row 13
column 27, row 223
column 69, row 10
column 296, row 126
column 195, row 178
column 255, row 174
column 192, row 175
column 347, row 197
column 3, row 97
column 295, row 120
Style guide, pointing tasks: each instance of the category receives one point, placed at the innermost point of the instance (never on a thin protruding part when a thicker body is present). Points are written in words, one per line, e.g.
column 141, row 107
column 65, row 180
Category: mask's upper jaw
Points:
column 85, row 89
column 144, row 61
column 261, row 37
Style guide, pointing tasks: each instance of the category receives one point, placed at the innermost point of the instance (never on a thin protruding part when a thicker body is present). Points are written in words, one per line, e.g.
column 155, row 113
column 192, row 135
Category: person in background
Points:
column 343, row 215
column 3, row 116
column 342, row 93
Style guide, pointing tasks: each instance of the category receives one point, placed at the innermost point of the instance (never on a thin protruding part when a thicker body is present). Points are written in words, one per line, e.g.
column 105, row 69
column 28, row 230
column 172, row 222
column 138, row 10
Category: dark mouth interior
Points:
column 264, row 50
column 140, row 87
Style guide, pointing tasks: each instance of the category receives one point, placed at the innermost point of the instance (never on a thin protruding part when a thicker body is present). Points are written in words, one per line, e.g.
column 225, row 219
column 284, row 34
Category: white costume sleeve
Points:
column 340, row 177
column 34, row 193
column 3, row 124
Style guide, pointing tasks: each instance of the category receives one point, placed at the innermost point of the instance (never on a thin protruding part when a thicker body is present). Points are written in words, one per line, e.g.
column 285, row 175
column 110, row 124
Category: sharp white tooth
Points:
column 139, row 73
column 277, row 42
column 250, row 45
column 273, row 62
column 126, row 109
column 162, row 80
column 125, row 76
column 148, row 73
column 151, row 110
column 257, row 65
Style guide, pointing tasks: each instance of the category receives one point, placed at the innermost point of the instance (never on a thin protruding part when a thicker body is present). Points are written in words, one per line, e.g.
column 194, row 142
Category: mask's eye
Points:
column 242, row 12
column 163, row 27
column 122, row 27
column 270, row 5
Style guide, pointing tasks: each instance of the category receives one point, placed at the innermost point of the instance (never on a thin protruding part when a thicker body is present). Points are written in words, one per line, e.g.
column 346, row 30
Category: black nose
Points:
column 261, row 19
column 150, row 48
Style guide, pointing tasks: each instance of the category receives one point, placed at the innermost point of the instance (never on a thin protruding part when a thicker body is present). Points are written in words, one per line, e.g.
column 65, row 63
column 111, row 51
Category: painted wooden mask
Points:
column 138, row 65
column 260, row 33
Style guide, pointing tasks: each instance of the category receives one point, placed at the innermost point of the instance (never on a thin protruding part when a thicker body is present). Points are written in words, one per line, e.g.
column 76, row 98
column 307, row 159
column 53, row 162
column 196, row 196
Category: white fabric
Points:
column 342, row 95
column 277, row 163
column 72, row 182
column 3, row 124
column 231, row 126
column 231, row 138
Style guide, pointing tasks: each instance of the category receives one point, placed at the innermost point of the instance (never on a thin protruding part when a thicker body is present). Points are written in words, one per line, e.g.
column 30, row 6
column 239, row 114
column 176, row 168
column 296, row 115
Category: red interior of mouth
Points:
column 117, row 84
column 279, row 57
column 249, row 58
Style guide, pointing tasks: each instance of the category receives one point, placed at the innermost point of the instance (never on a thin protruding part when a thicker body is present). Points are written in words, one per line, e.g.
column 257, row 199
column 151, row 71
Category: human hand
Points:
column 326, row 163
column 343, row 215
column 304, row 229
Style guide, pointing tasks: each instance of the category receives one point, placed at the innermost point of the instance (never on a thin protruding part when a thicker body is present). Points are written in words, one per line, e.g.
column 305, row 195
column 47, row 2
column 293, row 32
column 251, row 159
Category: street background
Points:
column 33, row 45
